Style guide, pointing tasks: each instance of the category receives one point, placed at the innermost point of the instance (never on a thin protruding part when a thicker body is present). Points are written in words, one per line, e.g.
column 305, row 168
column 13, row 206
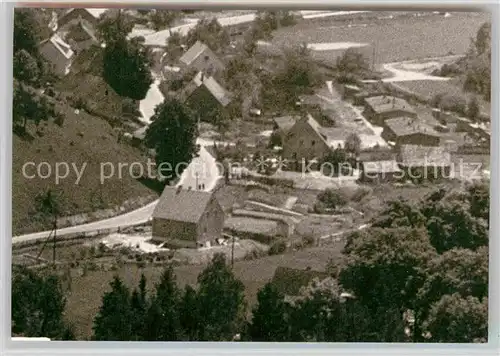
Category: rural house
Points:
column 186, row 217
column 206, row 96
column 201, row 58
column 70, row 17
column 80, row 37
column 424, row 162
column 308, row 140
column 281, row 126
column 380, row 108
column 409, row 131
column 380, row 171
column 58, row 53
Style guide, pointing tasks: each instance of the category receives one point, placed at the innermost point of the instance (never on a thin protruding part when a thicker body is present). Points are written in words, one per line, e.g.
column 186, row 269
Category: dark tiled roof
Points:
column 182, row 204
column 382, row 104
column 403, row 126
column 285, row 122
column 194, row 52
column 80, row 32
column 217, row 91
column 424, row 156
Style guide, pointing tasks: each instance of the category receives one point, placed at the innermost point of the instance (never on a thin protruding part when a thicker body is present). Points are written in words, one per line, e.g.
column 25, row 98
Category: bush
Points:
column 277, row 248
column 449, row 70
column 309, row 240
column 453, row 103
column 332, row 199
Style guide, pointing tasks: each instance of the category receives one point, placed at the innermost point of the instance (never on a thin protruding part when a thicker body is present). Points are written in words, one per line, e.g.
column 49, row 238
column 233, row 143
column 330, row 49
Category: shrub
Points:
column 277, row 248
column 332, row 199
column 309, row 240
column 453, row 103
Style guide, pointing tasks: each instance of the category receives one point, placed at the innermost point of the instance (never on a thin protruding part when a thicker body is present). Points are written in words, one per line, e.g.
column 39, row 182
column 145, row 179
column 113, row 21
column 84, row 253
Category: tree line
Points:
column 419, row 274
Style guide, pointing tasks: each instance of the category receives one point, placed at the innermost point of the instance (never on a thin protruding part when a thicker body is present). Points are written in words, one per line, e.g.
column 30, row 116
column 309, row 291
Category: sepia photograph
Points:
column 275, row 175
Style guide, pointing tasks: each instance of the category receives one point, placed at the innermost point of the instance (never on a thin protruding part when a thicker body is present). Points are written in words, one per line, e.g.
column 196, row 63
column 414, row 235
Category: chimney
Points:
column 202, row 78
column 179, row 188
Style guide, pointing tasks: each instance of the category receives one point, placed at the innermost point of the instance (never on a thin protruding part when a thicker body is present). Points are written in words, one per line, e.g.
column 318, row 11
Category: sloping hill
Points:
column 83, row 139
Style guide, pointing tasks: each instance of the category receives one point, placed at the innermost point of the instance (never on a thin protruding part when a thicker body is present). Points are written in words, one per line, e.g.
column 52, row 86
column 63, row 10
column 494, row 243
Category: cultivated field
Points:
column 84, row 298
column 395, row 40
column 429, row 88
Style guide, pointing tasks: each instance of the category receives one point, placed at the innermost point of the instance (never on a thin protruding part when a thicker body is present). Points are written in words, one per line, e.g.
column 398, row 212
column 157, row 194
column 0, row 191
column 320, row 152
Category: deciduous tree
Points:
column 127, row 68
column 172, row 133
column 26, row 67
column 458, row 319
column 209, row 32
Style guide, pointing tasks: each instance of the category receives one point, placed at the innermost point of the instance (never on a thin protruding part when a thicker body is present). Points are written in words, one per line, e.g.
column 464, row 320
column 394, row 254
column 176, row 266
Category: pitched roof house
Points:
column 72, row 16
column 187, row 218
column 205, row 96
column 408, row 130
column 201, row 58
column 380, row 108
column 308, row 140
column 80, row 36
column 58, row 53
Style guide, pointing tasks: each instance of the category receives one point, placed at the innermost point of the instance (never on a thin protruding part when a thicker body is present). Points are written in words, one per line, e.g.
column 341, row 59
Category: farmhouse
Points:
column 201, row 58
column 206, row 96
column 380, row 171
column 424, row 162
column 58, row 53
column 187, row 218
column 80, row 37
column 308, row 140
column 409, row 131
column 380, row 108
column 282, row 124
column 74, row 16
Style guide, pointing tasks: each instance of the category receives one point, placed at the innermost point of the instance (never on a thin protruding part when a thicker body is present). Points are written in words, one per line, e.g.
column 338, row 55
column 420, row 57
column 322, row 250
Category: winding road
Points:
column 202, row 170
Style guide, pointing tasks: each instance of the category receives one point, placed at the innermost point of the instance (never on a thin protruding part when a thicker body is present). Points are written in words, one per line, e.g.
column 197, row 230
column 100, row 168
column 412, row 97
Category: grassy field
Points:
column 82, row 139
column 430, row 88
column 84, row 298
column 395, row 40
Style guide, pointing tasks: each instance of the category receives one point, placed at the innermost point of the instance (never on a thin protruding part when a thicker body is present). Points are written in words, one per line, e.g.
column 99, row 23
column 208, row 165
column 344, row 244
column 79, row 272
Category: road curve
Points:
column 207, row 169
column 134, row 217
